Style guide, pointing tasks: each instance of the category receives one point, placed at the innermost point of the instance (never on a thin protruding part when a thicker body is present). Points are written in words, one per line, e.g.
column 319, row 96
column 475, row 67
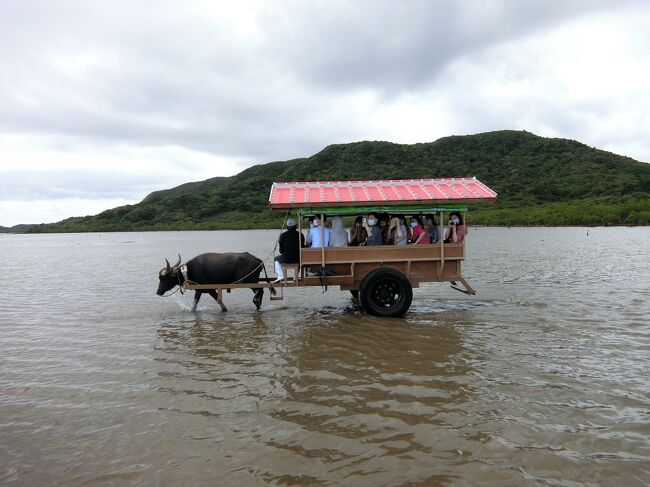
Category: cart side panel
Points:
column 350, row 265
column 382, row 253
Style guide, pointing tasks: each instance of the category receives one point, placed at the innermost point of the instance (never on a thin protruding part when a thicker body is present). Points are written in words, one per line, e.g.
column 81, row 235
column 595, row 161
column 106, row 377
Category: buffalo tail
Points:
column 271, row 289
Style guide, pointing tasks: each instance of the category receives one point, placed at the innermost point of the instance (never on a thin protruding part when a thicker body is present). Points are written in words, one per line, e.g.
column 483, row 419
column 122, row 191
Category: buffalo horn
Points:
column 179, row 261
column 168, row 268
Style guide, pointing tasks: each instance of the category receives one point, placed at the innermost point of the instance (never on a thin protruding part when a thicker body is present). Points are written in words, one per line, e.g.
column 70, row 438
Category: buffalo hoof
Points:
column 257, row 300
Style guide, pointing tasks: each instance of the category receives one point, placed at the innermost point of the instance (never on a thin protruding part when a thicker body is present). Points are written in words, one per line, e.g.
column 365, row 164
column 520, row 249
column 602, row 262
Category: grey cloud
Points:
column 170, row 76
column 402, row 46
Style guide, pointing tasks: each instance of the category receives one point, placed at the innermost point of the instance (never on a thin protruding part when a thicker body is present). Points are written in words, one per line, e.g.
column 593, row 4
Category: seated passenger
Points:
column 397, row 233
column 384, row 219
column 432, row 228
column 338, row 237
column 456, row 230
column 316, row 233
column 374, row 232
column 290, row 243
column 418, row 235
column 358, row 234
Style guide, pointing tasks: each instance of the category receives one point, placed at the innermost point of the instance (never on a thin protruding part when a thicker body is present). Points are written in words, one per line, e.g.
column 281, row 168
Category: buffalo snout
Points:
column 166, row 283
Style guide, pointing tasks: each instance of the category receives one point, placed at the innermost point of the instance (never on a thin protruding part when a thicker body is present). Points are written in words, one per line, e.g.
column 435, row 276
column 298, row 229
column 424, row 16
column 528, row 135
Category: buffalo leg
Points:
column 257, row 299
column 197, row 296
column 217, row 298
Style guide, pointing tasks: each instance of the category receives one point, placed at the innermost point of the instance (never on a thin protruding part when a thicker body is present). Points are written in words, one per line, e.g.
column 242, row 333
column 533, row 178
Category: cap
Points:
column 291, row 222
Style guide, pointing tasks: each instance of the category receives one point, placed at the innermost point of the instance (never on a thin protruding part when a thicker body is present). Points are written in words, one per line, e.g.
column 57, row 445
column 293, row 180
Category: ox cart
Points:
column 381, row 276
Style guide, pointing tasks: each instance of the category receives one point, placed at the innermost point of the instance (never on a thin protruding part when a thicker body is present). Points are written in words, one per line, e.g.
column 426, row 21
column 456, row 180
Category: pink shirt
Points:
column 460, row 234
column 416, row 233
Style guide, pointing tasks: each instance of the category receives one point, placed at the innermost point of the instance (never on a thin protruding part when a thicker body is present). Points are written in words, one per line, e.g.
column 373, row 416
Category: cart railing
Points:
column 383, row 253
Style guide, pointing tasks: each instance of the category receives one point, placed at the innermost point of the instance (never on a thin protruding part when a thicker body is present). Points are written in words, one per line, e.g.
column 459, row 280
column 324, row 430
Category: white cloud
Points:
column 106, row 102
column 587, row 80
column 47, row 179
column 14, row 212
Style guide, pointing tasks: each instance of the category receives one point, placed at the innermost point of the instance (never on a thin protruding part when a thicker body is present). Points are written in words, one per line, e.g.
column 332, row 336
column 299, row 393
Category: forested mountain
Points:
column 540, row 181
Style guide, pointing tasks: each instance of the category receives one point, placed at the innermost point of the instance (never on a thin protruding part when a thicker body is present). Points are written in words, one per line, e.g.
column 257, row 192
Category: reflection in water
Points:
column 539, row 379
column 333, row 399
column 369, row 404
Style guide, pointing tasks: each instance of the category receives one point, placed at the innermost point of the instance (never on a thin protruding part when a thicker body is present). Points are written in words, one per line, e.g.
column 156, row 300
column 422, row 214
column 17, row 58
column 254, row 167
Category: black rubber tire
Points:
column 386, row 292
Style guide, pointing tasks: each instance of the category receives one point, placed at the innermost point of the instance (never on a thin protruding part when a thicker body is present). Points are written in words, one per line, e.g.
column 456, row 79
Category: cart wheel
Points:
column 386, row 292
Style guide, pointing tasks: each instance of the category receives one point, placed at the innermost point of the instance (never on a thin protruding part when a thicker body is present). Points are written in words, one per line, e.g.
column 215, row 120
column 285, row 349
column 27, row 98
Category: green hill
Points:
column 540, row 181
column 21, row 228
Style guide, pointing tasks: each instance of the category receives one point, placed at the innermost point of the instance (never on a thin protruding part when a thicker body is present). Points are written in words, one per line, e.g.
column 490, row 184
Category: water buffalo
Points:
column 212, row 268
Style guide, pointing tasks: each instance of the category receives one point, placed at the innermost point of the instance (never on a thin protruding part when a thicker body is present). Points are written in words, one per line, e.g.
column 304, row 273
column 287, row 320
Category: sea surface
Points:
column 541, row 378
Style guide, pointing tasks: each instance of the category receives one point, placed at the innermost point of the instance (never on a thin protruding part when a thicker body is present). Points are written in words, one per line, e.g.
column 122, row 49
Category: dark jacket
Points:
column 375, row 237
column 358, row 235
column 289, row 246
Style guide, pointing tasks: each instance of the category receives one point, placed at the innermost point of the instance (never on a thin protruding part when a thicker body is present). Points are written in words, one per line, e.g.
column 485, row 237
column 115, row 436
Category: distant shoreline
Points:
column 507, row 227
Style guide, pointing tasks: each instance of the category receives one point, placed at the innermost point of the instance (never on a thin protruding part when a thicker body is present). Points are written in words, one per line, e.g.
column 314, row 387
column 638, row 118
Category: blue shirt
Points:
column 314, row 237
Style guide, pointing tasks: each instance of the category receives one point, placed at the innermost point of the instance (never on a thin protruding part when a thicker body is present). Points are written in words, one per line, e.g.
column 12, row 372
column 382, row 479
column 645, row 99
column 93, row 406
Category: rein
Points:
column 183, row 268
column 180, row 285
column 261, row 264
column 171, row 294
column 251, row 272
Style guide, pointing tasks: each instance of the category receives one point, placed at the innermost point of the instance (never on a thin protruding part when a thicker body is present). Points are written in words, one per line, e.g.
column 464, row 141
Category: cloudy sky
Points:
column 103, row 102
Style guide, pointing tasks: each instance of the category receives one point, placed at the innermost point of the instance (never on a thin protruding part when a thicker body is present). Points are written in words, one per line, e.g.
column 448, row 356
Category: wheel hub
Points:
column 386, row 294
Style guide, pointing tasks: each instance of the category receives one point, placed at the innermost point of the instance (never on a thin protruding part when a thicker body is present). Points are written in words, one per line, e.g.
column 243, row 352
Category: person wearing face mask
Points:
column 456, row 230
column 358, row 234
column 316, row 233
column 374, row 231
column 418, row 234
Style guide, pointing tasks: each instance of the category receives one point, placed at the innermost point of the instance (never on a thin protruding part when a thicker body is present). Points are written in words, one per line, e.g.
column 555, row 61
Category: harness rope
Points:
column 269, row 255
column 183, row 268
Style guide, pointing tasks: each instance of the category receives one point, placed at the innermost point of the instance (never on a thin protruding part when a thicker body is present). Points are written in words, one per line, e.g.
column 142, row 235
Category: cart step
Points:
column 279, row 296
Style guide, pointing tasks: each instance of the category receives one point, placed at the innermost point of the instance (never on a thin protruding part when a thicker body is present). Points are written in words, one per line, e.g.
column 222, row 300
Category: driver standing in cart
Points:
column 290, row 243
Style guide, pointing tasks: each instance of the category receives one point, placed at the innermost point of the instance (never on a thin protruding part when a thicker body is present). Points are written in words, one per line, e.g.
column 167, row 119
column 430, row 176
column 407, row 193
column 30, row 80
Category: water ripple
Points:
column 540, row 379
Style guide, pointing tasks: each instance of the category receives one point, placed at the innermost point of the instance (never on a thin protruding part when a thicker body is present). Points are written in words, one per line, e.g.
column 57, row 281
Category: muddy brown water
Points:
column 542, row 378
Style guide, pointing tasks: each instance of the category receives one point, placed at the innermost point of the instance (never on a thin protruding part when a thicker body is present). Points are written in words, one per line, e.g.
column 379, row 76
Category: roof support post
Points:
column 441, row 268
column 465, row 224
column 322, row 234
column 299, row 215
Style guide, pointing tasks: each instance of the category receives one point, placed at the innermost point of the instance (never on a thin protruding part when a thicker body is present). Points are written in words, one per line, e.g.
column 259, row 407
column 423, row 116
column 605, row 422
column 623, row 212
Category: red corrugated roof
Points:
column 380, row 192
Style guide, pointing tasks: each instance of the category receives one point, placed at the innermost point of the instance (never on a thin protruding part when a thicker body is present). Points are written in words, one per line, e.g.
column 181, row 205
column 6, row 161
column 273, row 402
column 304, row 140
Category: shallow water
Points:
column 539, row 379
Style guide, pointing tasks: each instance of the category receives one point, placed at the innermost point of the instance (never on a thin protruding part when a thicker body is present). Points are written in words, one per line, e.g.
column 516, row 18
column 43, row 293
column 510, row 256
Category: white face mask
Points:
column 316, row 223
column 371, row 222
column 455, row 221
column 414, row 224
